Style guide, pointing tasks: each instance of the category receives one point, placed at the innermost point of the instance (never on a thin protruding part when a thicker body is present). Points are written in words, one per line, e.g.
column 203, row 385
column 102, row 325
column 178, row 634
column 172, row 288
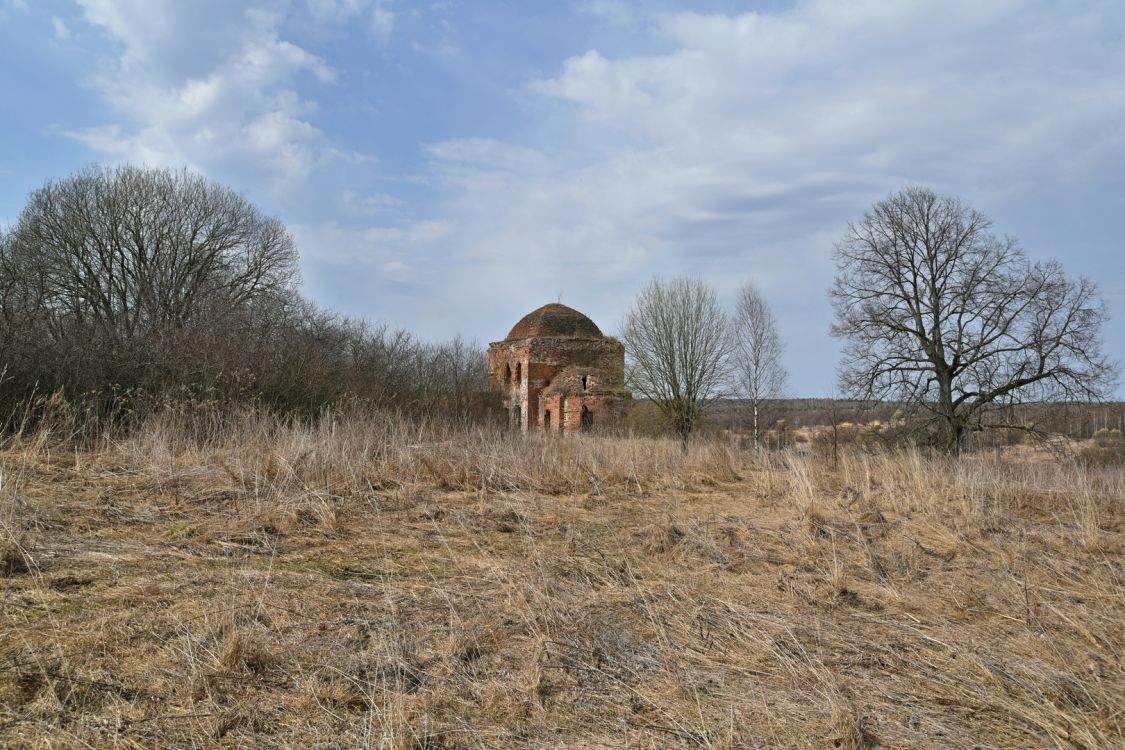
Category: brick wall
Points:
column 537, row 360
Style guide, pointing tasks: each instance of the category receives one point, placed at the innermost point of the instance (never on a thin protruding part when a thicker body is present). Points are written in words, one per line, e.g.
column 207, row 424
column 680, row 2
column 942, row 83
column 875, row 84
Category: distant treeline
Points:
column 1077, row 420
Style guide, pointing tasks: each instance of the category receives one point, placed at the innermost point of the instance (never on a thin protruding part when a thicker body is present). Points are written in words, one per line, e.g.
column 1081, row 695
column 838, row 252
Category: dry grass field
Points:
column 364, row 583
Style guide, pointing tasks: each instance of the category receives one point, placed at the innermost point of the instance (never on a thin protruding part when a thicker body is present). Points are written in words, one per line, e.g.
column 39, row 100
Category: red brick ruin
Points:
column 557, row 373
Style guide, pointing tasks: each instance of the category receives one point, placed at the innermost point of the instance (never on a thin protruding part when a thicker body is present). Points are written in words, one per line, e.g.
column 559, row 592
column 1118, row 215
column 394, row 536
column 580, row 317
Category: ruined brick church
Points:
column 557, row 373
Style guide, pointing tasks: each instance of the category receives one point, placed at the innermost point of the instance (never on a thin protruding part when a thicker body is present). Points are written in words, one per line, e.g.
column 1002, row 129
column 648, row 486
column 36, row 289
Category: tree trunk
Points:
column 757, row 436
column 956, row 436
column 954, row 430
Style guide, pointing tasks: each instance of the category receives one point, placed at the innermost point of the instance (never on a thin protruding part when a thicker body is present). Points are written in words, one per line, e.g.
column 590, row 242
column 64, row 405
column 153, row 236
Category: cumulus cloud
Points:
column 732, row 147
column 865, row 84
column 743, row 147
column 207, row 86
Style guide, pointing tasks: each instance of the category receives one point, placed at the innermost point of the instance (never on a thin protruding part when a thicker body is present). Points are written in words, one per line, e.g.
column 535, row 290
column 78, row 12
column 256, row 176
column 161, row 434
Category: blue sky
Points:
column 449, row 166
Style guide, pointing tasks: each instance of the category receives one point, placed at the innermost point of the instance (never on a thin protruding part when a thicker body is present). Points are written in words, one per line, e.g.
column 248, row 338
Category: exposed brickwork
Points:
column 555, row 367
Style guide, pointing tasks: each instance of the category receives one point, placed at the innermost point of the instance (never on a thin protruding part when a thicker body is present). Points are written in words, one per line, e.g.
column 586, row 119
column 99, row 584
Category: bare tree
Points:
column 938, row 312
column 677, row 344
column 126, row 275
column 759, row 374
column 128, row 250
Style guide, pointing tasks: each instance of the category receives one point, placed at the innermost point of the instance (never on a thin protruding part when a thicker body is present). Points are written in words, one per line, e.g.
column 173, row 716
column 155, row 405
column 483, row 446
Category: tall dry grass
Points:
column 364, row 580
column 372, row 449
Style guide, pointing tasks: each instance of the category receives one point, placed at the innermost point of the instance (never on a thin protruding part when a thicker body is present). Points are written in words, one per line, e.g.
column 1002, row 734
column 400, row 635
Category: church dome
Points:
column 557, row 321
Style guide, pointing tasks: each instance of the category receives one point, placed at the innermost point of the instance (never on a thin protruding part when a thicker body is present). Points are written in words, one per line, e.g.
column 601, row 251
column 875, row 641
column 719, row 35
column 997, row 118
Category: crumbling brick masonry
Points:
column 558, row 373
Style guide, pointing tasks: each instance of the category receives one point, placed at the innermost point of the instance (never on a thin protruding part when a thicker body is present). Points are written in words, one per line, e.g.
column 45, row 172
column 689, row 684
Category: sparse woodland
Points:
column 230, row 519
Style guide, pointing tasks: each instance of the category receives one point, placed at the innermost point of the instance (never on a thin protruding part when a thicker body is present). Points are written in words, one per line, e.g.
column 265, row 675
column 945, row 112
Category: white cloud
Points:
column 381, row 19
column 388, row 270
column 486, row 153
column 613, row 11
column 207, row 86
column 6, row 6
column 744, row 148
column 61, row 30
column 337, row 10
column 382, row 22
column 739, row 149
column 355, row 204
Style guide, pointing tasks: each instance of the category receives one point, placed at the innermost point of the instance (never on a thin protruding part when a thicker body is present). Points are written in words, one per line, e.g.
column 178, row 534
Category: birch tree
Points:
column 757, row 351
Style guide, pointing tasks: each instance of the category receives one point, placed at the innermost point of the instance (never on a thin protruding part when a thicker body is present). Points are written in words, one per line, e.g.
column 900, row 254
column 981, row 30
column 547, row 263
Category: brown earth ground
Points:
column 357, row 585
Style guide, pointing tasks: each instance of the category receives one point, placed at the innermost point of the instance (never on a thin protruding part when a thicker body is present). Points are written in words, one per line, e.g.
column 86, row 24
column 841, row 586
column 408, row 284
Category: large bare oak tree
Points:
column 938, row 312
column 677, row 347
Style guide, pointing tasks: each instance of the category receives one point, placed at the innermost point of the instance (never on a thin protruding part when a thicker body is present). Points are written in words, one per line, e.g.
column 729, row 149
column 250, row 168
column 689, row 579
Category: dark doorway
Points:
column 587, row 419
column 584, row 382
column 547, row 421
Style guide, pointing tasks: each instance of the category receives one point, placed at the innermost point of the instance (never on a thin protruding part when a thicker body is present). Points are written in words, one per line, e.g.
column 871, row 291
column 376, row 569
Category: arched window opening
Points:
column 587, row 419
column 584, row 382
column 519, row 374
column 547, row 421
column 507, row 373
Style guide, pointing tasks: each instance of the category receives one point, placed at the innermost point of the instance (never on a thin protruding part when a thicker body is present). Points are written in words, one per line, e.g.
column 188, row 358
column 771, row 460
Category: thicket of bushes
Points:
column 125, row 288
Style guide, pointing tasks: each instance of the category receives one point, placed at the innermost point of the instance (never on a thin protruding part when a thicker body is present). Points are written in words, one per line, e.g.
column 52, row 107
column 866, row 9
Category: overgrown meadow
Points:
column 367, row 580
